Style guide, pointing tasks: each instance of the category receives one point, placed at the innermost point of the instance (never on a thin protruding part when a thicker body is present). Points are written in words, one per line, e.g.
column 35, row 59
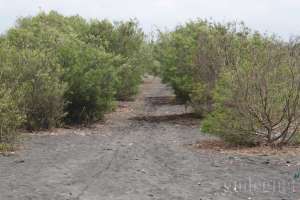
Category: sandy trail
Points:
column 142, row 152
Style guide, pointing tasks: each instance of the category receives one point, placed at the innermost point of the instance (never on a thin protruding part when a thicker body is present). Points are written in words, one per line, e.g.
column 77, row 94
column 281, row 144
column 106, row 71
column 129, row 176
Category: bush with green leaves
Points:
column 44, row 89
column 40, row 75
column 245, row 84
column 92, row 79
column 257, row 95
column 11, row 94
column 10, row 116
column 191, row 58
column 72, row 69
column 173, row 58
column 37, row 75
column 127, row 41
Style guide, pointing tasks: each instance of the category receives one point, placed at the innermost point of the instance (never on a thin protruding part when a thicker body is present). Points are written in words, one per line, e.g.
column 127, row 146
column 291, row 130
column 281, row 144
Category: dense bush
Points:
column 44, row 89
column 98, row 59
column 191, row 58
column 57, row 69
column 37, row 76
column 246, row 85
column 11, row 115
column 126, row 40
column 91, row 77
column 257, row 96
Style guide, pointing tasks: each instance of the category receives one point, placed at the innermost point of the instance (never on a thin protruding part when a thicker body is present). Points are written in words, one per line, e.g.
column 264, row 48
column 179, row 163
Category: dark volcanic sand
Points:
column 141, row 152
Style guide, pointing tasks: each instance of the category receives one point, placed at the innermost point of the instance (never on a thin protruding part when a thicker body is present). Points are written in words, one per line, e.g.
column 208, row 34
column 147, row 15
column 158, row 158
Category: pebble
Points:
column 266, row 162
column 19, row 161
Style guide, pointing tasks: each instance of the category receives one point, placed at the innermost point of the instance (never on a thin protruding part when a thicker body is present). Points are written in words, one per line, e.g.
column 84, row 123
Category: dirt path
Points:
column 142, row 152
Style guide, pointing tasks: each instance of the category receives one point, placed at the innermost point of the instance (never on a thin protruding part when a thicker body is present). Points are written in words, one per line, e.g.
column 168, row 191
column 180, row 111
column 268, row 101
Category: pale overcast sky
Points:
column 272, row 16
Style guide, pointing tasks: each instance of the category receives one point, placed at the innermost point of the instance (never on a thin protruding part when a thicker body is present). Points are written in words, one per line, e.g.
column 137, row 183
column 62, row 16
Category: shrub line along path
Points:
column 142, row 151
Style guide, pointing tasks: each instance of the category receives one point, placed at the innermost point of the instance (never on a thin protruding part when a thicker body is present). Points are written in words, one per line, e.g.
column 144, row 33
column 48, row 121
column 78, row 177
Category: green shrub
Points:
column 37, row 75
column 10, row 116
column 72, row 69
column 88, row 72
column 191, row 58
column 128, row 82
column 257, row 96
column 11, row 95
column 245, row 84
column 44, row 90
column 91, row 76
column 126, row 41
